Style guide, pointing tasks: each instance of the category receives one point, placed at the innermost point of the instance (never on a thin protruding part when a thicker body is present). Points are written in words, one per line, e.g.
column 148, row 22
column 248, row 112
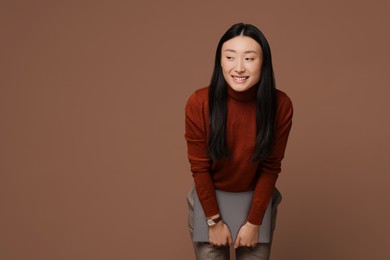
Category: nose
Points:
column 239, row 68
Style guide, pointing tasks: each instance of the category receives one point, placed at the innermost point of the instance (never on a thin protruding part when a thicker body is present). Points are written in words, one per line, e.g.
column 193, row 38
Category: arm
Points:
column 196, row 136
column 270, row 168
column 268, row 172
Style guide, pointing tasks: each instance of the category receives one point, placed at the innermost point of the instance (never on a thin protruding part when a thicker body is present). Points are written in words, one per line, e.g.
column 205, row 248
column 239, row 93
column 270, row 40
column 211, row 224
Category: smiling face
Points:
column 241, row 60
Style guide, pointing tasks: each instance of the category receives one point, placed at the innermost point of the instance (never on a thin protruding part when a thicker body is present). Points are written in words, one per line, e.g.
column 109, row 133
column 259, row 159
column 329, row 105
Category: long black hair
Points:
column 265, row 99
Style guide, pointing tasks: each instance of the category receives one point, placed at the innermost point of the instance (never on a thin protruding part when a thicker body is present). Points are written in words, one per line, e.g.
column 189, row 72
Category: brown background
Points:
column 92, row 154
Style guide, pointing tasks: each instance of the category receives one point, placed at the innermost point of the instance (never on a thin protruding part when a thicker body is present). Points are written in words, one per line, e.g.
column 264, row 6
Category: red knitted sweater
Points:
column 237, row 173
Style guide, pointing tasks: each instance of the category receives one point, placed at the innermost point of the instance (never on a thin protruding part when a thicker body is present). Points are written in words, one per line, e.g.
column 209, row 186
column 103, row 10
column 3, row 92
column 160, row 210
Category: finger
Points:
column 230, row 240
column 237, row 243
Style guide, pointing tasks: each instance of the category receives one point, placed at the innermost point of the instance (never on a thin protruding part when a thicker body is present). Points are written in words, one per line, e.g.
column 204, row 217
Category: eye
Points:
column 250, row 59
column 229, row 58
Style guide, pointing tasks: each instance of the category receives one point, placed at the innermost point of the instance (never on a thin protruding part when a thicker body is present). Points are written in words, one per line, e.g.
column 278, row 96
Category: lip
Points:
column 240, row 79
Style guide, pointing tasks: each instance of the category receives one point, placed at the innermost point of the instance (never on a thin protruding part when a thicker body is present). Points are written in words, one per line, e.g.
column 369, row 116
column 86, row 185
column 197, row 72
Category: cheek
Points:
column 225, row 74
column 224, row 66
column 258, row 76
column 225, row 70
column 257, row 72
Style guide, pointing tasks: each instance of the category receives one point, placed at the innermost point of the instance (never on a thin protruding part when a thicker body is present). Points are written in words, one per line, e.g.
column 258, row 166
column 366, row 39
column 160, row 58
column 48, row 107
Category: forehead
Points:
column 241, row 44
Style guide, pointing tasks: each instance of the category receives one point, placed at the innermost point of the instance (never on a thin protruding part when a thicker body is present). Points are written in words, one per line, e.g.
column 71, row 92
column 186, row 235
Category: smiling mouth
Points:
column 240, row 78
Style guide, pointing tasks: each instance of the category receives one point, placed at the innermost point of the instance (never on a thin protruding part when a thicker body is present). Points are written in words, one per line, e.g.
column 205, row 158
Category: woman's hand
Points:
column 219, row 235
column 247, row 236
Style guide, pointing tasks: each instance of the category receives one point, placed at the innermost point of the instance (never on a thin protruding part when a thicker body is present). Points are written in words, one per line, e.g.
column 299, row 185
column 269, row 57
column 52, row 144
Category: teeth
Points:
column 240, row 78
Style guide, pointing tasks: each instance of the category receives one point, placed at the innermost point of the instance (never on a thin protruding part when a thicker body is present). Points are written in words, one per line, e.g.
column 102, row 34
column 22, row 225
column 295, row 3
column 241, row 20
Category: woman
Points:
column 236, row 131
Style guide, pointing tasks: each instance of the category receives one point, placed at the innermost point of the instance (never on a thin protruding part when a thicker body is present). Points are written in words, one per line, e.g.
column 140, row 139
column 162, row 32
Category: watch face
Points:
column 210, row 222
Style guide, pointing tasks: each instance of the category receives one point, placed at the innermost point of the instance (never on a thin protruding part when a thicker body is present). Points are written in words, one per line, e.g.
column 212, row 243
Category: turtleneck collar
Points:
column 246, row 95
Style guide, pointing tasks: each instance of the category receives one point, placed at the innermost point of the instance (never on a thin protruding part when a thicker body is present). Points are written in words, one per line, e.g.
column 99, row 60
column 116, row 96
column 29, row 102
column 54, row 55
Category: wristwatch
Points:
column 212, row 221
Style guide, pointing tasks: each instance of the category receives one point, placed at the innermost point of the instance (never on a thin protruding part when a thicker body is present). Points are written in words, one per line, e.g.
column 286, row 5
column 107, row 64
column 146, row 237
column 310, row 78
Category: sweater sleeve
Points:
column 196, row 137
column 270, row 168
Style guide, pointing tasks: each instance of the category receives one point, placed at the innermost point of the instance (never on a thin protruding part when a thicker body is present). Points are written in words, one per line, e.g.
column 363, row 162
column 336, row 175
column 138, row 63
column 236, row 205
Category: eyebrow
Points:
column 250, row 51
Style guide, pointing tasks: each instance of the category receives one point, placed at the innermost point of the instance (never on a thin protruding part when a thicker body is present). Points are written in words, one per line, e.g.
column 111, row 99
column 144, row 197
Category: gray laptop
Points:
column 234, row 208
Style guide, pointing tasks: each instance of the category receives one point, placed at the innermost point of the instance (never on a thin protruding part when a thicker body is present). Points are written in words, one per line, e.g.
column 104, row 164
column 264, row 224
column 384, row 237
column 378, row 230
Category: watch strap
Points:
column 216, row 220
column 212, row 221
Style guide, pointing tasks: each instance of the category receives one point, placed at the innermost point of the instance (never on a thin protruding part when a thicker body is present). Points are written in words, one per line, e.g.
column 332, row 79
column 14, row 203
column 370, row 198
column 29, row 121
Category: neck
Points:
column 246, row 95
